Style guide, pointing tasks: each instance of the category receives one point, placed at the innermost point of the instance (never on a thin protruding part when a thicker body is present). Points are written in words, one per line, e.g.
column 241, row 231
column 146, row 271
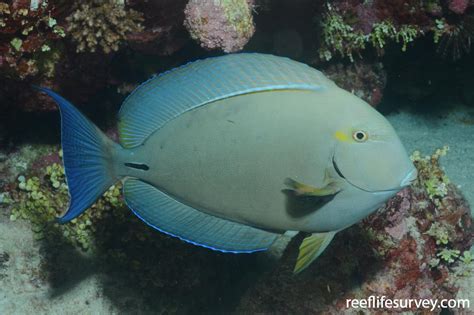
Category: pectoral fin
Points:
column 311, row 248
column 300, row 189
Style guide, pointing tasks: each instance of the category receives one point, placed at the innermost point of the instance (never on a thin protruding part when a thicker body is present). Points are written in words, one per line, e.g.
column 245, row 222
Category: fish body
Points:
column 230, row 159
column 229, row 152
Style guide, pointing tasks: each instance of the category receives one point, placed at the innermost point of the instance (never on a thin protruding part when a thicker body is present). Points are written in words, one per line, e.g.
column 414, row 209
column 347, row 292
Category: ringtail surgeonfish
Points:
column 230, row 152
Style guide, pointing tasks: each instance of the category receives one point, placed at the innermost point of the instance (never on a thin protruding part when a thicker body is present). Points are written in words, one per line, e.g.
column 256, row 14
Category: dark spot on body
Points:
column 138, row 166
column 231, row 121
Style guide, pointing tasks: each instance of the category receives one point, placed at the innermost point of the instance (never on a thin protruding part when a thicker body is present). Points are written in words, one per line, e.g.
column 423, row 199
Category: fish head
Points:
column 369, row 154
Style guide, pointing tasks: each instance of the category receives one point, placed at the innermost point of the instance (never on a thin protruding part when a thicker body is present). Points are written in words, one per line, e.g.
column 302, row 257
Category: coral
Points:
column 164, row 31
column 458, row 6
column 416, row 246
column 365, row 79
column 39, row 41
column 28, row 40
column 405, row 12
column 454, row 40
column 349, row 26
column 103, row 25
column 449, row 255
column 41, row 197
column 340, row 36
column 431, row 175
column 223, row 24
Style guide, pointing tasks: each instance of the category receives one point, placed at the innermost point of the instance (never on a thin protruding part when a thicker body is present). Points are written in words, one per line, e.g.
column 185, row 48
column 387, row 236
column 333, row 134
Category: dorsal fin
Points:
column 172, row 93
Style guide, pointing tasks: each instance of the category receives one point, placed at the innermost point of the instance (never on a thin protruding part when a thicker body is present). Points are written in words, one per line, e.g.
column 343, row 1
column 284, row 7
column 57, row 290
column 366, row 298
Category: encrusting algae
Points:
column 102, row 25
column 40, row 200
column 340, row 37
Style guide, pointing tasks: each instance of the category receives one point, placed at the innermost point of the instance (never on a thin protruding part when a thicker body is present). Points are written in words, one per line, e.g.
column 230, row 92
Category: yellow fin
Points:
column 311, row 248
column 301, row 189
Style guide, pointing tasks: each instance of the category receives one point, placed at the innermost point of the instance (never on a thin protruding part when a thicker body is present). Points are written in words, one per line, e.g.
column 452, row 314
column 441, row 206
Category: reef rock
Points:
column 226, row 24
column 458, row 6
column 364, row 79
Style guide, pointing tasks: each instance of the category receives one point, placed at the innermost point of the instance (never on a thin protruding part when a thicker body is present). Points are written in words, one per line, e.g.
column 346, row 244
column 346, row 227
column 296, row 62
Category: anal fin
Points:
column 310, row 249
column 174, row 218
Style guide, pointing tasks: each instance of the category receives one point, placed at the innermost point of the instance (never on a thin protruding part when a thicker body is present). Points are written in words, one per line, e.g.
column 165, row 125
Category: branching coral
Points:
column 102, row 25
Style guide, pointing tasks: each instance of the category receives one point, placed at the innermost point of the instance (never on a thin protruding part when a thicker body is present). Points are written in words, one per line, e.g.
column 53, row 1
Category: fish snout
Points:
column 409, row 178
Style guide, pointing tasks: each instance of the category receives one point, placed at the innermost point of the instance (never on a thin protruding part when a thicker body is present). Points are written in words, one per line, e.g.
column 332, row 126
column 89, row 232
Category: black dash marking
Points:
column 137, row 166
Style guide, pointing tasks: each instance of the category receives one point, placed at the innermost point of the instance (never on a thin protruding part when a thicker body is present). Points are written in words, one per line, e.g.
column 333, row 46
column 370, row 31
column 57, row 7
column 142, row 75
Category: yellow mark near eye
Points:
column 341, row 136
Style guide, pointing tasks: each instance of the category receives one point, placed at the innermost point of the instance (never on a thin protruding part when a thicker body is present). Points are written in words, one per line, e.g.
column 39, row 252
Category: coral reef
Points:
column 349, row 27
column 29, row 40
column 224, row 24
column 364, row 79
column 164, row 32
column 458, row 6
column 455, row 40
column 69, row 47
column 103, row 25
column 346, row 39
column 40, row 198
column 416, row 246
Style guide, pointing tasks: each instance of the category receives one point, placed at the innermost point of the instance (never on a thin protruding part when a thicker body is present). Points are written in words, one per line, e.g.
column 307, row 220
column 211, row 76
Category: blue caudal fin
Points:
column 87, row 157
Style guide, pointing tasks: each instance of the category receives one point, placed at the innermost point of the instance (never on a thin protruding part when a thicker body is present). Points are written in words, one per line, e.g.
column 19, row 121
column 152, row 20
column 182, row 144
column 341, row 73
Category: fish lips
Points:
column 407, row 181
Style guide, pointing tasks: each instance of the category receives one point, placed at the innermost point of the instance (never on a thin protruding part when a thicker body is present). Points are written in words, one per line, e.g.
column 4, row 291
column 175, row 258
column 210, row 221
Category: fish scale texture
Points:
column 172, row 93
column 169, row 216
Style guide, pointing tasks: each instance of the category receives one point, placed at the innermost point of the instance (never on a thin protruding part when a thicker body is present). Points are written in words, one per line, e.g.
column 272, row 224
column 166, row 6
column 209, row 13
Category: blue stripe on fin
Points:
column 172, row 93
column 169, row 216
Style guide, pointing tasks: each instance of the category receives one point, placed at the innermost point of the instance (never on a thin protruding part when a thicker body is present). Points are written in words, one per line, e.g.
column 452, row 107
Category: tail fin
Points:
column 87, row 157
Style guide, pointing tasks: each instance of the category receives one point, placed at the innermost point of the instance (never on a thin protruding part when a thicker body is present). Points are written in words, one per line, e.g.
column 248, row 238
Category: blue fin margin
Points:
column 176, row 219
column 86, row 153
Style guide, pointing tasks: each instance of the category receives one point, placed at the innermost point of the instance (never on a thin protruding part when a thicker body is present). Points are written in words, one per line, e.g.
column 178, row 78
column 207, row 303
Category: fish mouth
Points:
column 338, row 171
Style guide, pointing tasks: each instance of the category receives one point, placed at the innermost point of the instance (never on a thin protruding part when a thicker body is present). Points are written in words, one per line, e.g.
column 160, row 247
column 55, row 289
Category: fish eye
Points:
column 360, row 136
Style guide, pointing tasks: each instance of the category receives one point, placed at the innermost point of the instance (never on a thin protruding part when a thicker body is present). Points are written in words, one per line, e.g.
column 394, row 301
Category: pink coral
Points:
column 226, row 25
column 458, row 6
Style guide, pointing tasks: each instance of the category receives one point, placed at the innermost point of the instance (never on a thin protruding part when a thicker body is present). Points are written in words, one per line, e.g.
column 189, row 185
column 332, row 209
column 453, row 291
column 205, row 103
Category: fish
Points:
column 231, row 152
